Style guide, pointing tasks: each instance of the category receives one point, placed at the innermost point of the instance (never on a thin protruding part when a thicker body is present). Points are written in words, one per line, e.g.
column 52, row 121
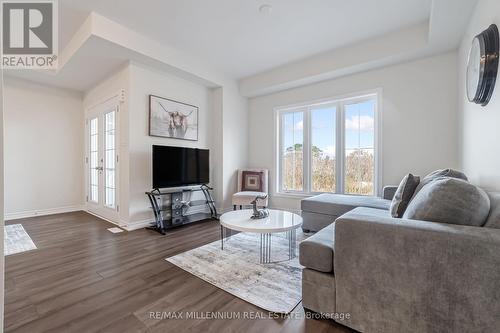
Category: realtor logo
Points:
column 29, row 34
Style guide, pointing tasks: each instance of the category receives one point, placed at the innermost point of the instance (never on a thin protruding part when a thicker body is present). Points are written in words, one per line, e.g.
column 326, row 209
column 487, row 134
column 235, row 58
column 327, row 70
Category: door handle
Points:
column 99, row 168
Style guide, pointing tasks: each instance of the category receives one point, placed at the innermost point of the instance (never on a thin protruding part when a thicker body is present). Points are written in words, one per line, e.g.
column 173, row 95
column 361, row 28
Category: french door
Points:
column 101, row 161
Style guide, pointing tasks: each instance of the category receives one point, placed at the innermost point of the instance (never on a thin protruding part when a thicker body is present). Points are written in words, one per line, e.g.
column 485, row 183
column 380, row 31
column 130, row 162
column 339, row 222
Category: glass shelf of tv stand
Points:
column 168, row 191
column 164, row 223
column 193, row 203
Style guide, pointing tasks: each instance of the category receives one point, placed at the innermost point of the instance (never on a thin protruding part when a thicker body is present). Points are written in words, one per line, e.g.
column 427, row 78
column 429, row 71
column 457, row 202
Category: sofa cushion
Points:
column 338, row 204
column 316, row 221
column 403, row 195
column 373, row 212
column 450, row 200
column 245, row 198
column 438, row 174
column 388, row 192
column 493, row 220
column 316, row 252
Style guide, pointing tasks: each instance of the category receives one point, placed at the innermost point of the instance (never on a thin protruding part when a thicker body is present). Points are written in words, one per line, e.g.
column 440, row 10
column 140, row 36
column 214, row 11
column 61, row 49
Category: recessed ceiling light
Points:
column 266, row 9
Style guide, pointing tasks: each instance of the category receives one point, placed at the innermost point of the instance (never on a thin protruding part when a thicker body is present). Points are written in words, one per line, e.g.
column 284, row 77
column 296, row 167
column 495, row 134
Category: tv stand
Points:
column 169, row 207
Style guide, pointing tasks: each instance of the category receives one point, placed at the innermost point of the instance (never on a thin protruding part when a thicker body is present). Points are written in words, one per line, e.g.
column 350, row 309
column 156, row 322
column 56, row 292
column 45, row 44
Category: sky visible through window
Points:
column 323, row 125
column 294, row 127
column 359, row 127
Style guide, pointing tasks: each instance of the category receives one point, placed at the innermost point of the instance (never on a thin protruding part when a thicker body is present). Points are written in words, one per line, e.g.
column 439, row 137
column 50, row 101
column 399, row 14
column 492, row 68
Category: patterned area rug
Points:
column 17, row 240
column 275, row 287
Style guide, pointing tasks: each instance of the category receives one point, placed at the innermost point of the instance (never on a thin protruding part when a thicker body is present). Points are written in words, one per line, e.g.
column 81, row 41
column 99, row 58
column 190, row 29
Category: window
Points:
column 359, row 149
column 329, row 147
column 292, row 166
column 110, row 158
column 94, row 160
column 323, row 142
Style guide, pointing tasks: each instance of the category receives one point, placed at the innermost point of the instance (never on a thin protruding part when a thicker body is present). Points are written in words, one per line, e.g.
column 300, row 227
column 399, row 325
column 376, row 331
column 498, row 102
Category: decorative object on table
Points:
column 251, row 183
column 17, row 240
column 259, row 214
column 273, row 287
column 482, row 66
column 172, row 119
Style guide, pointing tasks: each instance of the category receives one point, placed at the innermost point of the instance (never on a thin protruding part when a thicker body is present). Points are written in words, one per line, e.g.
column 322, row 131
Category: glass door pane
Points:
column 94, row 160
column 360, row 148
column 323, row 155
column 110, row 159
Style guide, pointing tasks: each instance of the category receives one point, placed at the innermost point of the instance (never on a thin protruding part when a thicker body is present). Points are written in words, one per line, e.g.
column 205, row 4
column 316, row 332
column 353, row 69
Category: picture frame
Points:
column 169, row 118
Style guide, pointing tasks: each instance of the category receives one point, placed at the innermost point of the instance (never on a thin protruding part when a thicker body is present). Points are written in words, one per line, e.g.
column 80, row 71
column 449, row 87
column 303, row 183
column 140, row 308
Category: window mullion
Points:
column 282, row 149
column 376, row 150
column 306, row 150
column 340, row 149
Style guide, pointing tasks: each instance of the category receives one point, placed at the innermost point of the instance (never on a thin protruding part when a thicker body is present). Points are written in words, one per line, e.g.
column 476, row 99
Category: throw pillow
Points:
column 450, row 200
column 493, row 220
column 403, row 195
column 439, row 173
column 252, row 181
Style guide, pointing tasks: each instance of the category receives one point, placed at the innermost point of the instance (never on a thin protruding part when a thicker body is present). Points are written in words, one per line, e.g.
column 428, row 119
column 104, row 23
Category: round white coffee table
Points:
column 278, row 221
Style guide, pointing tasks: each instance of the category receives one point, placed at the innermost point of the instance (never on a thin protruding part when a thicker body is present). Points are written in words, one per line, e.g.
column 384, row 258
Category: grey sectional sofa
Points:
column 375, row 273
column 321, row 210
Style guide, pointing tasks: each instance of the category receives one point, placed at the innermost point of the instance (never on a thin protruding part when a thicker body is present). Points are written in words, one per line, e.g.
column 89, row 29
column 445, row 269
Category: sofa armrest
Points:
column 388, row 192
column 397, row 275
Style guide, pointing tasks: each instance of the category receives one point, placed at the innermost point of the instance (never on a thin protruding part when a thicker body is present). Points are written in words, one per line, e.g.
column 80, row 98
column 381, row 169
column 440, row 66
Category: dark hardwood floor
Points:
column 82, row 278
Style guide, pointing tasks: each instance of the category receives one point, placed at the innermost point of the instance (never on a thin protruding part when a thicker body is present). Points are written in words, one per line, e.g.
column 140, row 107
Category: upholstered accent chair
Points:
column 251, row 183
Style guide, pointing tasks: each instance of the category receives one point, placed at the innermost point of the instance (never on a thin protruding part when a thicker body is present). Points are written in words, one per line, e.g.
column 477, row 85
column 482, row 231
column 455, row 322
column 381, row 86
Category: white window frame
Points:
column 339, row 102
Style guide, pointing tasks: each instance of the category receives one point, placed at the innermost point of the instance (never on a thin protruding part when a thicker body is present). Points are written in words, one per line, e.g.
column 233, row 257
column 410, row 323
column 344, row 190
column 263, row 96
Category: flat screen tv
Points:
column 179, row 166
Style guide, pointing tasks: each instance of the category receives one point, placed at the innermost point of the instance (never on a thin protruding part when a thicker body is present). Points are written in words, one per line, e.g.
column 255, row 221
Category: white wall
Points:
column 2, row 197
column 235, row 140
column 145, row 81
column 43, row 149
column 479, row 126
column 217, row 142
column 419, row 113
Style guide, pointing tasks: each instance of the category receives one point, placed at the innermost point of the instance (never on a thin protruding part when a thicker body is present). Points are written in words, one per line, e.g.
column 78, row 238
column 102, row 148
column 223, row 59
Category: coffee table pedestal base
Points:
column 266, row 244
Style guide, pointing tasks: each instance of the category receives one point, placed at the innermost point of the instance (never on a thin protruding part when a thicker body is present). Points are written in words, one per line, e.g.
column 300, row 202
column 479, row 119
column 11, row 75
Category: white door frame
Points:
column 98, row 111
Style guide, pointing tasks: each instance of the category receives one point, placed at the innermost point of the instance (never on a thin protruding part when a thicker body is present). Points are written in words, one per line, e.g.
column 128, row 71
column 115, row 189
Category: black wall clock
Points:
column 482, row 66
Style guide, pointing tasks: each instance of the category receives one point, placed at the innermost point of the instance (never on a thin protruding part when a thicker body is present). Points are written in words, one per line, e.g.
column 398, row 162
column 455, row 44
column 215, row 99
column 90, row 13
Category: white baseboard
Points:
column 43, row 212
column 129, row 226
column 103, row 218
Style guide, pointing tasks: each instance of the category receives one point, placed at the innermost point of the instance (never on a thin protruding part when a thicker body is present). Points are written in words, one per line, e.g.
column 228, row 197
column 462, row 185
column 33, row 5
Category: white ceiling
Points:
column 236, row 38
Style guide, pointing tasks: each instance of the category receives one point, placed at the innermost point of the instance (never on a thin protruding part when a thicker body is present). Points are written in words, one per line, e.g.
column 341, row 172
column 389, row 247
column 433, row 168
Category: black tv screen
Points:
column 179, row 166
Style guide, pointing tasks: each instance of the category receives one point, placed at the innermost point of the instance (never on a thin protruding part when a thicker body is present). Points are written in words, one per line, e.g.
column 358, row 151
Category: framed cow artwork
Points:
column 172, row 119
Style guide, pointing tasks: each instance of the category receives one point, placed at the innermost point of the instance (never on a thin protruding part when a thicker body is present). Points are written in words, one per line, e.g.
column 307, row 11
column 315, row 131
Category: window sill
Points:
column 308, row 195
column 293, row 195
